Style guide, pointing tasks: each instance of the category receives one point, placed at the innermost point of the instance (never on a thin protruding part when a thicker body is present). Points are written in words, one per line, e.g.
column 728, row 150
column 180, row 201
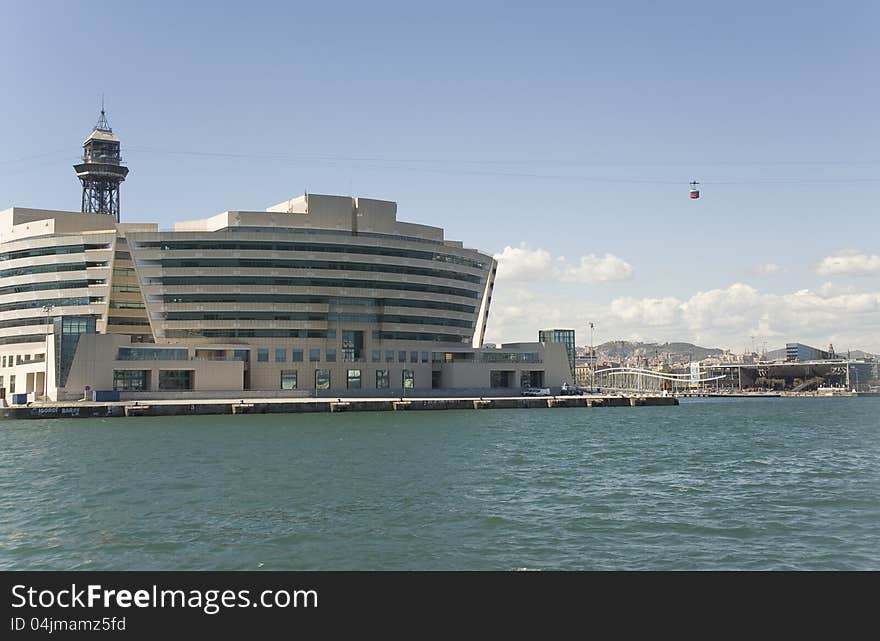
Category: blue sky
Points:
column 564, row 132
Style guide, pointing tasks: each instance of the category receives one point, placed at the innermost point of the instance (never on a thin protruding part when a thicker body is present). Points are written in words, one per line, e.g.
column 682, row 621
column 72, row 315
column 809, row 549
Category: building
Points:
column 319, row 294
column 801, row 352
column 564, row 336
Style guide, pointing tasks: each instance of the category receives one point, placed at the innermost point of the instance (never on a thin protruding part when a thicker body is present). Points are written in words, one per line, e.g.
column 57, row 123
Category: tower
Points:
column 101, row 170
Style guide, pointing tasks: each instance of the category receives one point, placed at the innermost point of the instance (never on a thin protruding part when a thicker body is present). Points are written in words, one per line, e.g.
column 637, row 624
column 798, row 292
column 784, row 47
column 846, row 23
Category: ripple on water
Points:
column 793, row 484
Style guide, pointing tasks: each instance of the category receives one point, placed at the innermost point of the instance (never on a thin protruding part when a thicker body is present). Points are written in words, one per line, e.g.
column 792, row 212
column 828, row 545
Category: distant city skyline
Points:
column 559, row 138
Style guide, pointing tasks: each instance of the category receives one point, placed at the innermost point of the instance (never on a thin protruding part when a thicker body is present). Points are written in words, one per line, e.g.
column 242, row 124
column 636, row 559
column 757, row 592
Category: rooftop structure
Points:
column 101, row 170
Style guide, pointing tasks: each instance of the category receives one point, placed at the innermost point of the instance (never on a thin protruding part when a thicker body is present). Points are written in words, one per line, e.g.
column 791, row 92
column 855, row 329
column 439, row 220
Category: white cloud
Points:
column 849, row 263
column 525, row 264
column 595, row 269
column 522, row 263
column 646, row 311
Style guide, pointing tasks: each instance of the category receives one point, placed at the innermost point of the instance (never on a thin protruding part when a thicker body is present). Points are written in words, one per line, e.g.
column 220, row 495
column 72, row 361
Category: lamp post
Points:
column 48, row 309
column 592, row 361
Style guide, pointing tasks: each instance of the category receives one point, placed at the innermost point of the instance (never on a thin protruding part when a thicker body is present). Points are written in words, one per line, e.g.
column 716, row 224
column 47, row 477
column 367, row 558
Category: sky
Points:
column 559, row 137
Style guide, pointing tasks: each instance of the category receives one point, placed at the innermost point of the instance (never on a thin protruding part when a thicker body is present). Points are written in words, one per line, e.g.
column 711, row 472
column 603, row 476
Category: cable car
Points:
column 695, row 193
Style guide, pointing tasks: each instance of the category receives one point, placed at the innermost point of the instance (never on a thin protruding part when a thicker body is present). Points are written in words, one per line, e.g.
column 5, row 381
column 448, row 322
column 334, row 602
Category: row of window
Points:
column 38, row 287
column 54, row 302
column 21, row 359
column 48, row 269
column 152, row 354
column 298, row 298
column 256, row 245
column 257, row 263
column 318, row 316
column 138, row 380
column 267, row 281
column 126, row 320
column 296, row 356
column 51, row 251
column 309, row 333
column 353, row 379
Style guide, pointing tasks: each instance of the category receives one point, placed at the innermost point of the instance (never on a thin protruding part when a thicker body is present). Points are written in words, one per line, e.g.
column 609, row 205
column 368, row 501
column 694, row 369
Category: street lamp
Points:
column 48, row 309
column 592, row 361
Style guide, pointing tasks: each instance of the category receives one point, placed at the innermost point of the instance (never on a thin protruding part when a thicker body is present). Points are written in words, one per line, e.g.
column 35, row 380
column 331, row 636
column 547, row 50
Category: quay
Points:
column 181, row 407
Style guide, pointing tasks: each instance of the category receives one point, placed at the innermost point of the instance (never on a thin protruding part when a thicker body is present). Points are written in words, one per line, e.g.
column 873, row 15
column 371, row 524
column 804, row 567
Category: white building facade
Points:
column 324, row 295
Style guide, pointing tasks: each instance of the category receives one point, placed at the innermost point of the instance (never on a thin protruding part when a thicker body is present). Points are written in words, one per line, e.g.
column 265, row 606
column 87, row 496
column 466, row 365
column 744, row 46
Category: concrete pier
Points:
column 180, row 407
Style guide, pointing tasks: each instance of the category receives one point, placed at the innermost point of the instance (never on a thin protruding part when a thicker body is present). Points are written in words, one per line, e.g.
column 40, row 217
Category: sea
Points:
column 712, row 484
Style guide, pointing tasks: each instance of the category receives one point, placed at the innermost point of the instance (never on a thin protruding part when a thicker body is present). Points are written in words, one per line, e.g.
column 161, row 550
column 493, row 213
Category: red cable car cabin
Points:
column 695, row 193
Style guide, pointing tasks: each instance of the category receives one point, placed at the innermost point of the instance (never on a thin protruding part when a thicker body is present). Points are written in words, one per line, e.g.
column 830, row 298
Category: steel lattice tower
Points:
column 101, row 170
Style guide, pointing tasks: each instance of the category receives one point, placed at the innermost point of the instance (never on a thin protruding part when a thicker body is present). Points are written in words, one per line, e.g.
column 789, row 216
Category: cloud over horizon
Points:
column 723, row 317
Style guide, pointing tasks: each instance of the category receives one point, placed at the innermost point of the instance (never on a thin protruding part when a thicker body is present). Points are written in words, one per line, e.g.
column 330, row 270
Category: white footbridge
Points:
column 632, row 379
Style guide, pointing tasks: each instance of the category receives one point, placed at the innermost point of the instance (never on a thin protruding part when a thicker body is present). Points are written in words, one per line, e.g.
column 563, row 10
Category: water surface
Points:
column 711, row 484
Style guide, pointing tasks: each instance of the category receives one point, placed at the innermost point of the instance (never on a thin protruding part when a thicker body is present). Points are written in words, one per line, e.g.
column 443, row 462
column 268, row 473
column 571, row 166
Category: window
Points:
column 280, row 355
column 377, row 355
column 352, row 346
column 330, row 355
column 322, row 379
column 288, row 379
column 240, row 355
column 314, row 355
column 425, row 357
column 296, row 355
column 401, row 356
column 263, row 355
column 131, row 380
column 176, row 379
column 381, row 379
column 12, row 384
column 151, row 354
column 354, row 379
column 389, row 355
column 1, row 381
column 409, row 379
column 413, row 357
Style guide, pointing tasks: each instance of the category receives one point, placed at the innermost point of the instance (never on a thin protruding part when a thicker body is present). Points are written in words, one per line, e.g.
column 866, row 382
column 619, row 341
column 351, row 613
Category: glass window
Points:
column 131, row 380
column 322, row 379
column 413, row 357
column 377, row 355
column 331, row 333
column 381, row 378
column 425, row 357
column 354, row 379
column 12, row 384
column 152, row 354
column 352, row 346
column 288, row 379
column 280, row 355
column 330, row 355
column 296, row 355
column 263, row 355
column 409, row 379
column 401, row 356
column 314, row 355
column 389, row 355
column 176, row 379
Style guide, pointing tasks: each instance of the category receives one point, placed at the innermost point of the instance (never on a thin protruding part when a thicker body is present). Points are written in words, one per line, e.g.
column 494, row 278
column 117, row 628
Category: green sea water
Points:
column 712, row 484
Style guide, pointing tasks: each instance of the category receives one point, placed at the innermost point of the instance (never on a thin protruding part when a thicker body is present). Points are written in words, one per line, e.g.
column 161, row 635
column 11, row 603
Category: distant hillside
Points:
column 621, row 350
